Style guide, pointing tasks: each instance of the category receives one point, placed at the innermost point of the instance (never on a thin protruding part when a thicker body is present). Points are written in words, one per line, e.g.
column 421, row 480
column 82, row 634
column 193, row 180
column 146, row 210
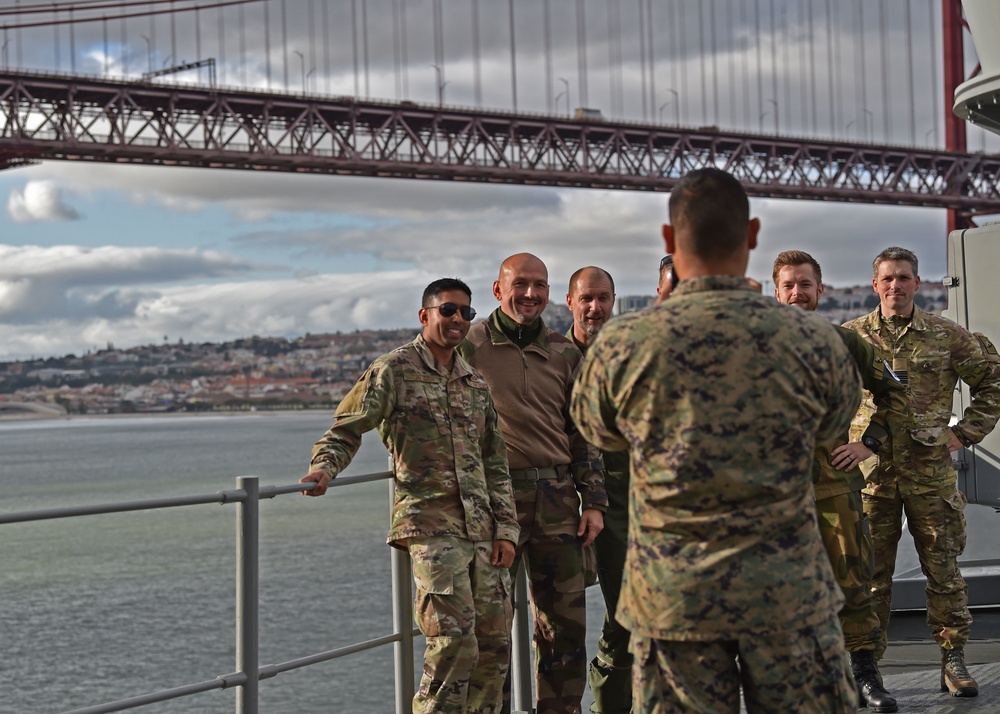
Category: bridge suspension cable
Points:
column 659, row 66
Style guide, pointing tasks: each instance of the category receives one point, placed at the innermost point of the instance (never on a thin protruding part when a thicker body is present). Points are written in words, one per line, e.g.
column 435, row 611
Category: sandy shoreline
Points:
column 25, row 412
column 21, row 411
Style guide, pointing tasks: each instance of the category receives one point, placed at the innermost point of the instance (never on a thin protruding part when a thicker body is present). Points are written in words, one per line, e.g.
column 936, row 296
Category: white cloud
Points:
column 217, row 312
column 253, row 196
column 42, row 285
column 467, row 229
column 39, row 201
column 69, row 298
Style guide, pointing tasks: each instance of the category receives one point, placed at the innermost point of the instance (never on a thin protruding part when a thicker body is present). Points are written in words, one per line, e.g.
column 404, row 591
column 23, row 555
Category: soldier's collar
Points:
column 915, row 320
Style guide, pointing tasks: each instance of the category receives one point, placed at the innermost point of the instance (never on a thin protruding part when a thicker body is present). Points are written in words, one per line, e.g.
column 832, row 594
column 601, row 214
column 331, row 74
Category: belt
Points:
column 548, row 473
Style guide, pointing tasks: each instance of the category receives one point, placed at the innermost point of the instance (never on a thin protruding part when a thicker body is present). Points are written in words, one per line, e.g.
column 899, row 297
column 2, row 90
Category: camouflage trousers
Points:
column 548, row 512
column 936, row 520
column 611, row 669
column 805, row 671
column 463, row 608
column 844, row 528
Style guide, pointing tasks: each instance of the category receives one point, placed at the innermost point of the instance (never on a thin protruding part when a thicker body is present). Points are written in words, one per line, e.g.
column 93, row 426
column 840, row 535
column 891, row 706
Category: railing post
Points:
column 247, row 556
column 520, row 645
column 402, row 620
column 402, row 623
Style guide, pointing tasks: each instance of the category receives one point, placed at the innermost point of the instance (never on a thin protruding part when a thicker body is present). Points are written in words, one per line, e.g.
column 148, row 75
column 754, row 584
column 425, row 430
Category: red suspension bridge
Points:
column 810, row 99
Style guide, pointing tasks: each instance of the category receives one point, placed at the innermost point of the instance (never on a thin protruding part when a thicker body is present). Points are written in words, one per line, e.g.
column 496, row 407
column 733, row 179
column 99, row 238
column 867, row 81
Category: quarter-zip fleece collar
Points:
column 521, row 335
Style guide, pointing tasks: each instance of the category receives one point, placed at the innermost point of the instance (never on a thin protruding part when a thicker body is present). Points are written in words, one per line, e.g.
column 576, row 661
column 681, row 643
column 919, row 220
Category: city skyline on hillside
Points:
column 311, row 371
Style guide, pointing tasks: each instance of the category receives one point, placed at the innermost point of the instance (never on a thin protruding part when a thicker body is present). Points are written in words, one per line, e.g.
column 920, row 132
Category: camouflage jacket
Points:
column 532, row 388
column 930, row 354
column 720, row 394
column 442, row 432
column 882, row 384
column 615, row 462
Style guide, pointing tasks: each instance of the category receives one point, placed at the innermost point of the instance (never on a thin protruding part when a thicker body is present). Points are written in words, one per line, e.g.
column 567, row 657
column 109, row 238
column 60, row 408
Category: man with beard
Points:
column 590, row 299
column 531, row 371
column 798, row 281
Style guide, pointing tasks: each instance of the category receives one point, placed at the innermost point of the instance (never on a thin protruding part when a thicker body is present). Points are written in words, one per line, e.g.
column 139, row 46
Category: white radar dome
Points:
column 978, row 100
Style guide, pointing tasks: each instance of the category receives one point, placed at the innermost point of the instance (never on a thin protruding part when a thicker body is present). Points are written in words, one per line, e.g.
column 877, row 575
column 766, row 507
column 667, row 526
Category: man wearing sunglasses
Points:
column 531, row 370
column 454, row 508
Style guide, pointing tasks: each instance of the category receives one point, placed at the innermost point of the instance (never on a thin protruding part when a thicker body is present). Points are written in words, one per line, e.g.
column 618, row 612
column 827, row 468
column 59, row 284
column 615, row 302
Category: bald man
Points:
column 531, row 370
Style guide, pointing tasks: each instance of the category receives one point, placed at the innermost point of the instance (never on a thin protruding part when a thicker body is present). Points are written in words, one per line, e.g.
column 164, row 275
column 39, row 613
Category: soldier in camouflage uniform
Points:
column 720, row 396
column 914, row 474
column 590, row 299
column 798, row 281
column 454, row 508
column 531, row 370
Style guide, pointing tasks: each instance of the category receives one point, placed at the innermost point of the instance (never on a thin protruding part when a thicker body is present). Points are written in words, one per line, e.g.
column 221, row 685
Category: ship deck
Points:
column 912, row 664
column 919, row 691
column 911, row 667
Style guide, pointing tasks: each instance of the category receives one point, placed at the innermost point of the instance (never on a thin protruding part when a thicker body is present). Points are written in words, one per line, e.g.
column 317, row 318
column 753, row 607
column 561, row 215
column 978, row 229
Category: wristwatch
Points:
column 872, row 443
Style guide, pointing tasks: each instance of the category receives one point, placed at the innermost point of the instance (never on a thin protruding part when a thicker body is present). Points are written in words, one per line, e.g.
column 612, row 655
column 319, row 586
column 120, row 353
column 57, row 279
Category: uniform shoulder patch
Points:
column 988, row 347
column 353, row 403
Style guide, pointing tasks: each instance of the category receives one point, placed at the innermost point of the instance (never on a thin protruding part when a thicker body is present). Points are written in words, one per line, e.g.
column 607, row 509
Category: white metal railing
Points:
column 249, row 673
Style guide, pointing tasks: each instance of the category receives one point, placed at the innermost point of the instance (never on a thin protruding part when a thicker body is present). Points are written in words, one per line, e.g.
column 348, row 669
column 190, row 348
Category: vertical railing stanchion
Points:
column 247, row 581
column 520, row 645
column 402, row 619
column 402, row 624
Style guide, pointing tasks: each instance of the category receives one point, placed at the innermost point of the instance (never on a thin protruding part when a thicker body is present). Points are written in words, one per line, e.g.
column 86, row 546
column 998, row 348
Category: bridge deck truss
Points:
column 54, row 117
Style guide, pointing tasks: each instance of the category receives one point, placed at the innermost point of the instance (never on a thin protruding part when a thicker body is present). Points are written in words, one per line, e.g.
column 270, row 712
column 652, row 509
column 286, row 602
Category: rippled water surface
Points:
column 108, row 607
column 101, row 608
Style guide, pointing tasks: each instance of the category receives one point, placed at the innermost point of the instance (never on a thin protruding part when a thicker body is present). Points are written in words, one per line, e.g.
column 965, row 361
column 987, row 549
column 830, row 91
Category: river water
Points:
column 101, row 608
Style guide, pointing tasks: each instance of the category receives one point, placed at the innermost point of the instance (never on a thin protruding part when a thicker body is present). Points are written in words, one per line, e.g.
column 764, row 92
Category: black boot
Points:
column 871, row 693
column 954, row 676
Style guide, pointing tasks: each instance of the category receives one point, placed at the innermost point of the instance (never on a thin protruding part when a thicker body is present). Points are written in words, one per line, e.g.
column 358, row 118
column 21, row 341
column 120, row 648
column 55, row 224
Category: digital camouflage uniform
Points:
column 721, row 394
column 843, row 524
column 453, row 498
column 552, row 469
column 610, row 674
column 913, row 472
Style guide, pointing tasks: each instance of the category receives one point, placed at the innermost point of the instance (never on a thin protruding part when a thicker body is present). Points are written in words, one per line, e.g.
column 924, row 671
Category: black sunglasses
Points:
column 666, row 260
column 448, row 309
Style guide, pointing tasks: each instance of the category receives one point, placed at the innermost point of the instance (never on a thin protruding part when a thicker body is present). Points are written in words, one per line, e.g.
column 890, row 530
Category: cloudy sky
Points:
column 93, row 254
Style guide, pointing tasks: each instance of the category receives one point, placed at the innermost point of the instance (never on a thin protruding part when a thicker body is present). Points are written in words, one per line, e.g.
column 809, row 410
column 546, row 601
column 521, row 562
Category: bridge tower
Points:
column 954, row 75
